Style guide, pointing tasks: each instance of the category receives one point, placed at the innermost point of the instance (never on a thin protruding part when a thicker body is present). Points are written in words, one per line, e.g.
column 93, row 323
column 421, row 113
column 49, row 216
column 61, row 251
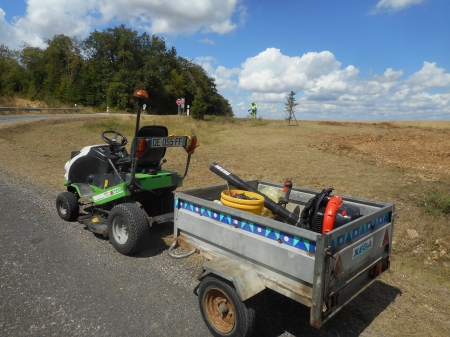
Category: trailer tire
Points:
column 67, row 206
column 128, row 228
column 224, row 313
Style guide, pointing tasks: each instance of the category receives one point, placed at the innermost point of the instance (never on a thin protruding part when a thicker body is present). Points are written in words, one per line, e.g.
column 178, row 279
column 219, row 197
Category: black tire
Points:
column 128, row 228
column 224, row 313
column 67, row 206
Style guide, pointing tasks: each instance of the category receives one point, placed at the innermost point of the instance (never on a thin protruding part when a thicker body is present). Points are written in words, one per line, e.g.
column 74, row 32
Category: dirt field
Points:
column 44, row 108
column 406, row 163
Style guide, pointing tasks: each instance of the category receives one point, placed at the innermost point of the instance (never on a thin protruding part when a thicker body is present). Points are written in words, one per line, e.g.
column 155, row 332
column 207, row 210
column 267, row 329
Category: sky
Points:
column 371, row 60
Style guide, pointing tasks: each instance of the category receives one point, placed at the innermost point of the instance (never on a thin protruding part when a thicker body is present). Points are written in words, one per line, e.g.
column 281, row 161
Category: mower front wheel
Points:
column 128, row 228
column 67, row 206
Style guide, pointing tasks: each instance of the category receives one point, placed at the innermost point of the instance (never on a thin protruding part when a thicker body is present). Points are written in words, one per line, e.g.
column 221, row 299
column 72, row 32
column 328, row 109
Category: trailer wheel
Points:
column 224, row 313
column 128, row 228
column 67, row 206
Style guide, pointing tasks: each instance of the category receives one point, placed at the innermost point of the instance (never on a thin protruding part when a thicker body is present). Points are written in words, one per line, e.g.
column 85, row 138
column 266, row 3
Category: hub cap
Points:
column 62, row 208
column 219, row 310
column 120, row 230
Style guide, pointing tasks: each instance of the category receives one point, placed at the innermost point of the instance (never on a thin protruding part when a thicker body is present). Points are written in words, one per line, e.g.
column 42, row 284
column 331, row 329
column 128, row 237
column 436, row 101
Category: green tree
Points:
column 116, row 96
column 199, row 107
column 63, row 64
column 105, row 69
column 290, row 107
column 13, row 77
column 222, row 106
column 32, row 59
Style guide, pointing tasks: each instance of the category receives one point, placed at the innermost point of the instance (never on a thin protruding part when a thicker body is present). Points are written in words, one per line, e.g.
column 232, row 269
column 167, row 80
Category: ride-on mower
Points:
column 124, row 193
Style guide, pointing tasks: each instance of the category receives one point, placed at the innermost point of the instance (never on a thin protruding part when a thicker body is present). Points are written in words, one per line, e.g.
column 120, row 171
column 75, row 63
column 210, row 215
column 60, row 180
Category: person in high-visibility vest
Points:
column 253, row 109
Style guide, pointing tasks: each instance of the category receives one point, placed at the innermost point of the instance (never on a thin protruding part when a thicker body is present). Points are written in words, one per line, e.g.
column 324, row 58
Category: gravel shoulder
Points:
column 58, row 279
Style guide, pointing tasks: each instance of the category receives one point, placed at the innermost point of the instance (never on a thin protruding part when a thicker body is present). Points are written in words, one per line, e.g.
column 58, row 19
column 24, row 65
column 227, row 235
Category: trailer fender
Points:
column 244, row 278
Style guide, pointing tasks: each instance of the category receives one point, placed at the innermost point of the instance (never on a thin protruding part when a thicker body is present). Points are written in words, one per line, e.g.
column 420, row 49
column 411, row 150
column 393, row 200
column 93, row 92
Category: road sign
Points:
column 178, row 101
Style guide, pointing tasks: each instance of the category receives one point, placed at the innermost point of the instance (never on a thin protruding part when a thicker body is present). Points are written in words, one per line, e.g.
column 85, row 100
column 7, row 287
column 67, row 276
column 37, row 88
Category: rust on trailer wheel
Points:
column 219, row 310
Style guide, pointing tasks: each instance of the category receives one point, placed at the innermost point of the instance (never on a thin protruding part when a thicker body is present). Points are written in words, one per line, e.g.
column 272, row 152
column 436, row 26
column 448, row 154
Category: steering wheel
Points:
column 113, row 141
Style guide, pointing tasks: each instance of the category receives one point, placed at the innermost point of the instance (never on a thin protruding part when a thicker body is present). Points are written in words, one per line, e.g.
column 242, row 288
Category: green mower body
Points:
column 119, row 194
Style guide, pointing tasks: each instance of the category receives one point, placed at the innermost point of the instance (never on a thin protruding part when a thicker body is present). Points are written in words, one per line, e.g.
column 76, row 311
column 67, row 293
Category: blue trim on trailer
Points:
column 248, row 226
column 361, row 230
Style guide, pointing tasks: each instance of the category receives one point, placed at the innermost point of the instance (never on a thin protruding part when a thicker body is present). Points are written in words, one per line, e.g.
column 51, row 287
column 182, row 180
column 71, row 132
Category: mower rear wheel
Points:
column 67, row 206
column 128, row 228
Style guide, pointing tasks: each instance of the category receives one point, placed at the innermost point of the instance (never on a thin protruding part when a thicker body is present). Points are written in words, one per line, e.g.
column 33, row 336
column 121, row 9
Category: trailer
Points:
column 247, row 253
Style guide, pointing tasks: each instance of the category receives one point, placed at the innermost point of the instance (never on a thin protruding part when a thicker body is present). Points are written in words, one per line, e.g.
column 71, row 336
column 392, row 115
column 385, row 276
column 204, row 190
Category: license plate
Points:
column 166, row 141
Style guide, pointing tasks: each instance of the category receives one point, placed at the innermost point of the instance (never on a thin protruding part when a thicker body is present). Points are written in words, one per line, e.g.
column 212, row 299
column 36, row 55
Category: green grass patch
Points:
column 435, row 201
column 437, row 274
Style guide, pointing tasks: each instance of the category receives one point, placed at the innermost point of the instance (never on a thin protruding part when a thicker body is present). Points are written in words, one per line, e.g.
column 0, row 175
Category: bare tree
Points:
column 290, row 107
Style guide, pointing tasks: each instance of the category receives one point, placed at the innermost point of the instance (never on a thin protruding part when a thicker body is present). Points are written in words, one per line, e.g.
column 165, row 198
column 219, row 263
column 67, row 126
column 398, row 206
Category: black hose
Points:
column 187, row 167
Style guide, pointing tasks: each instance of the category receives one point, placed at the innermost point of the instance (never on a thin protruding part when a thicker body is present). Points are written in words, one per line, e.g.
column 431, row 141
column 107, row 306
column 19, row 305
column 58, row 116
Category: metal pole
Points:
column 137, row 117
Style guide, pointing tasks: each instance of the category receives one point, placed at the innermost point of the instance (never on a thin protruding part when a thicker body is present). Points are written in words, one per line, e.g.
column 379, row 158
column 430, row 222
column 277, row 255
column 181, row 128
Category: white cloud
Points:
column 325, row 90
column 430, row 76
column 389, row 76
column 6, row 30
column 271, row 71
column 207, row 63
column 394, row 5
column 223, row 72
column 225, row 79
column 208, row 41
column 267, row 97
column 45, row 18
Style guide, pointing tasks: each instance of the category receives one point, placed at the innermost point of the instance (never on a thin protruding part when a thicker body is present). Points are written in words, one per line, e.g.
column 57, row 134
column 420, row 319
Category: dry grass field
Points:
column 405, row 163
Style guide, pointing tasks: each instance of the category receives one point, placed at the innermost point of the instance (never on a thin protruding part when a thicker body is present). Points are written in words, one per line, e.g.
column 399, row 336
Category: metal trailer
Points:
column 247, row 253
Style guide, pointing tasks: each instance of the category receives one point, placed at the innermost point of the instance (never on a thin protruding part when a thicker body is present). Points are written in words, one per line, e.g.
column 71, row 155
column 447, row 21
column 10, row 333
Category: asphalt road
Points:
column 59, row 279
column 19, row 118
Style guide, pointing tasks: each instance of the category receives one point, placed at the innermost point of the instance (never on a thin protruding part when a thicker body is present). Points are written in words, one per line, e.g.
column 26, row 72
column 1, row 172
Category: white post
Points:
column 188, row 110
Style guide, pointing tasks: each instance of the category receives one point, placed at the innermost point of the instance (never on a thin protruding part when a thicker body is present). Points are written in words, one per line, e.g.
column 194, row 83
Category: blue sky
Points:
column 346, row 60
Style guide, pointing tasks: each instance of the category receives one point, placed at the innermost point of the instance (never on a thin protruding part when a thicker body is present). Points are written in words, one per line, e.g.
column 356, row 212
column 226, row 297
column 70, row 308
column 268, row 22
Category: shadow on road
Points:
column 156, row 243
column 277, row 314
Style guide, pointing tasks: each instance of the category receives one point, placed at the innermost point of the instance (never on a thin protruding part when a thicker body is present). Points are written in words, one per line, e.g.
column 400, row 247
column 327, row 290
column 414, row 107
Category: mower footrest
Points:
column 85, row 191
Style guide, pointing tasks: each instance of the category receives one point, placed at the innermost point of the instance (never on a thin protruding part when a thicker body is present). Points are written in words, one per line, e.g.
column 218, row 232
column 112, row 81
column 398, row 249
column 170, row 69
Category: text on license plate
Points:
column 167, row 141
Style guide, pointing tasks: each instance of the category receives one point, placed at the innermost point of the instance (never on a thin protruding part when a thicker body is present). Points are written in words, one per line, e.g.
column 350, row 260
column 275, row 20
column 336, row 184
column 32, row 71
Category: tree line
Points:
column 105, row 69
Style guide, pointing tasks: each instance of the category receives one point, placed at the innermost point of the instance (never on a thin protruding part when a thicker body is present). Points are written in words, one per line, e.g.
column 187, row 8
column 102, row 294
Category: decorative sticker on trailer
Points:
column 362, row 248
column 108, row 194
column 249, row 226
column 385, row 238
